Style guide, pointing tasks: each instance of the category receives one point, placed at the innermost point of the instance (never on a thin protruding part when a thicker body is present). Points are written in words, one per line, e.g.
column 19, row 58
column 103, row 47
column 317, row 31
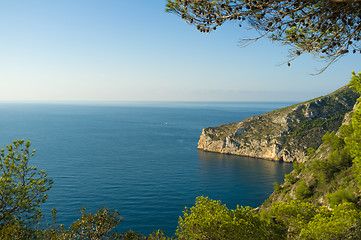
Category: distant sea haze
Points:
column 140, row 159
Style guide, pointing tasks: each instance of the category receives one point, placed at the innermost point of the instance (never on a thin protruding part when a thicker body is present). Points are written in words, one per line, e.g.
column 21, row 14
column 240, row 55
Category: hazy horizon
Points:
column 134, row 51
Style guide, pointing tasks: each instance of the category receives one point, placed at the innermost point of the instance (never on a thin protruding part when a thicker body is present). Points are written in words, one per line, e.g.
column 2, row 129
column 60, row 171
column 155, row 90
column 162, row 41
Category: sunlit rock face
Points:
column 283, row 134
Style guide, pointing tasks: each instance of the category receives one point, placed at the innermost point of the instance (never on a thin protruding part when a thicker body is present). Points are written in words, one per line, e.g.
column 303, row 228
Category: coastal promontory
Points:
column 283, row 134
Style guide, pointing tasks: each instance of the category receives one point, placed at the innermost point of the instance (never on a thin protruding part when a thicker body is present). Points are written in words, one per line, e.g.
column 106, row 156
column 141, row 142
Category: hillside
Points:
column 283, row 134
column 328, row 176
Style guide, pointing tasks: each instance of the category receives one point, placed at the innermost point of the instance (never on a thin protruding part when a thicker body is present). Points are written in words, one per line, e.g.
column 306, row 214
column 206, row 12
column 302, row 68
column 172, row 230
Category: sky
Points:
column 132, row 50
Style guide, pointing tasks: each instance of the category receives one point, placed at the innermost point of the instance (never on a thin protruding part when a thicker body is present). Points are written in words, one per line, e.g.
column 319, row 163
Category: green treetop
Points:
column 22, row 187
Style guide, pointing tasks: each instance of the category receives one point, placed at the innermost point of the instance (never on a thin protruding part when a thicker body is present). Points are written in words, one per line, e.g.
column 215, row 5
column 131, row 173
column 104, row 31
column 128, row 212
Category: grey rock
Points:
column 283, row 134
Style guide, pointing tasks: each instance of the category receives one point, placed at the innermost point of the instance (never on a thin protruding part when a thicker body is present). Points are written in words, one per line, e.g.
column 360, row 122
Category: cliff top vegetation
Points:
column 293, row 129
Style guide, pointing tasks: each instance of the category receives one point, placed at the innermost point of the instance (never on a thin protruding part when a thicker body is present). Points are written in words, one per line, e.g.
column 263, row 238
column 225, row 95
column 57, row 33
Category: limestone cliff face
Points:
column 284, row 134
column 339, row 179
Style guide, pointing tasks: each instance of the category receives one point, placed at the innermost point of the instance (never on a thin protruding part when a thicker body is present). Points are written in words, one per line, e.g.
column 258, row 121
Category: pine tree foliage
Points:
column 328, row 29
column 22, row 186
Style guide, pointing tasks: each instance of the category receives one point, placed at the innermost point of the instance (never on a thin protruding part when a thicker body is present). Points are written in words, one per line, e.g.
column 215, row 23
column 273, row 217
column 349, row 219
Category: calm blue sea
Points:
column 138, row 158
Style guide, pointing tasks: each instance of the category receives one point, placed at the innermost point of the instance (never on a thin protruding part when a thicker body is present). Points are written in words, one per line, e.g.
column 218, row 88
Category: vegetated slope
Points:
column 332, row 173
column 320, row 199
column 283, row 134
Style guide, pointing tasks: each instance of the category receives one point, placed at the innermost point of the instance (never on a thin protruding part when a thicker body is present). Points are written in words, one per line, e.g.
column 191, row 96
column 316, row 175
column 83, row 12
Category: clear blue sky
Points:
column 126, row 50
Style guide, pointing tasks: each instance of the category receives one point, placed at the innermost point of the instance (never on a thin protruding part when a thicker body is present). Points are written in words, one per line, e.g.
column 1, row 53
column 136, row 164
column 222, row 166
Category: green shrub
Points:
column 293, row 215
column 277, row 188
column 209, row 219
column 298, row 167
column 332, row 224
column 290, row 178
column 341, row 196
column 303, row 191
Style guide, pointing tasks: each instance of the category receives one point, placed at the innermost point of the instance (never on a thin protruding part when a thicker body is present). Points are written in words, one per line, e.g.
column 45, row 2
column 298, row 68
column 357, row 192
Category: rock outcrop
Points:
column 284, row 134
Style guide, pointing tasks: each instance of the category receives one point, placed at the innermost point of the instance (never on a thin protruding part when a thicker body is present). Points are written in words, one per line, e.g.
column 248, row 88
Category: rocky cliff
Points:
column 328, row 177
column 284, row 134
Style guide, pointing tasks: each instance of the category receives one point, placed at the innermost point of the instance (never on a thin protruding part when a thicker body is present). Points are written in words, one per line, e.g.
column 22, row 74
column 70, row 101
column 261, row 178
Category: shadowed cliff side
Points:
column 283, row 134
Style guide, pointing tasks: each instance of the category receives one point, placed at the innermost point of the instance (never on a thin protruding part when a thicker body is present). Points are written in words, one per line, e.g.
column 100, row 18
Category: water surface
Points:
column 138, row 158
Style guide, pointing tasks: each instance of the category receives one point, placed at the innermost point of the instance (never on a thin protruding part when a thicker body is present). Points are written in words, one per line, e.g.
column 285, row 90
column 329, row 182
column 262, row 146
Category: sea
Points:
column 139, row 158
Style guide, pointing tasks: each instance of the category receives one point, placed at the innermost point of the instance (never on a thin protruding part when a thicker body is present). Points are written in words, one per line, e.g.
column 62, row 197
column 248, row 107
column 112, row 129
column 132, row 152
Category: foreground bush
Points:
column 209, row 219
